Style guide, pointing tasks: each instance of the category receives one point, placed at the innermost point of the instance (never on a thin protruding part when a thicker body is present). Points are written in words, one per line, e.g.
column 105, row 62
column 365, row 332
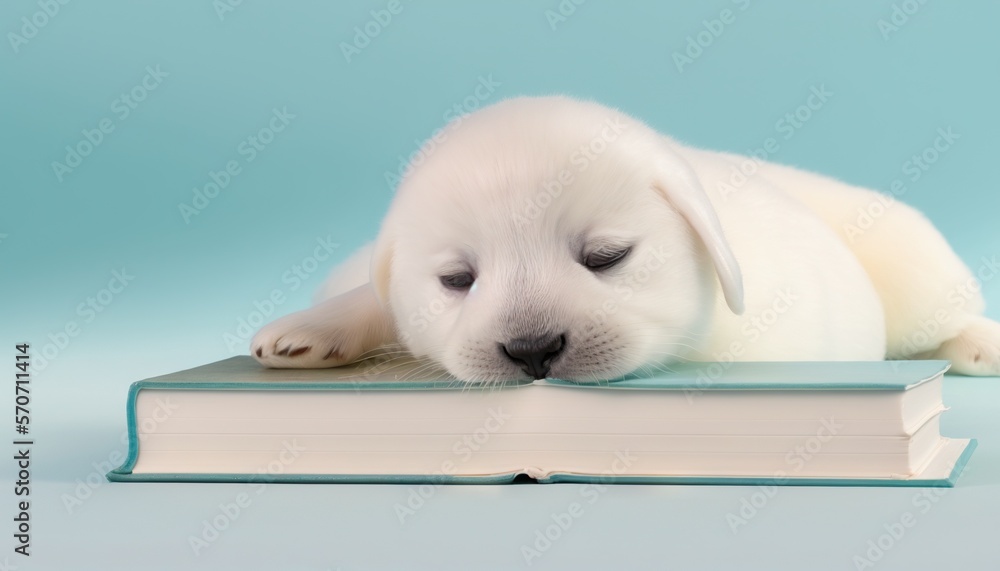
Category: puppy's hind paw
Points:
column 976, row 350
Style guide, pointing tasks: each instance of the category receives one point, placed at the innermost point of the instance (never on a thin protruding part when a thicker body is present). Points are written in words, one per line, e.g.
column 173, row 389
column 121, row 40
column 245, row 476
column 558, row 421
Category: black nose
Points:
column 534, row 355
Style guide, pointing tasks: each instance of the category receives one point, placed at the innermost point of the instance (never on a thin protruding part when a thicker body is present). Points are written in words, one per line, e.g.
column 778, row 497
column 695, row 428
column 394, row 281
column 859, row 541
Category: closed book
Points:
column 395, row 421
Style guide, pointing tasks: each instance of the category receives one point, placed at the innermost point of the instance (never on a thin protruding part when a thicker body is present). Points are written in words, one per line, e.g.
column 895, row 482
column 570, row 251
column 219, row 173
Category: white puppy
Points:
column 554, row 237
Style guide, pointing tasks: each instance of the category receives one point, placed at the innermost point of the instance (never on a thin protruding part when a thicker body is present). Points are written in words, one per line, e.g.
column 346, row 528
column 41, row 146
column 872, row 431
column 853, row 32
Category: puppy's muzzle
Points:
column 535, row 355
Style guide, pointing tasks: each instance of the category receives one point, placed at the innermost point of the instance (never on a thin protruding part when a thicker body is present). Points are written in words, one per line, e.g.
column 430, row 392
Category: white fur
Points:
column 773, row 267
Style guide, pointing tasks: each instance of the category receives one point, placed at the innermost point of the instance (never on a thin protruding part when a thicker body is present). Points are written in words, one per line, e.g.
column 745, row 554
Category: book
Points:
column 394, row 421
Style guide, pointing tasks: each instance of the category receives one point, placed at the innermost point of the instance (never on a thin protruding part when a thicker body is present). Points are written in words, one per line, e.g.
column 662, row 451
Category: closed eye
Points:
column 605, row 258
column 458, row 281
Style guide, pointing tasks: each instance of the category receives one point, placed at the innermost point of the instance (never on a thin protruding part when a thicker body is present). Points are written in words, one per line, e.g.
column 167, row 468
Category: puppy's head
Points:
column 551, row 237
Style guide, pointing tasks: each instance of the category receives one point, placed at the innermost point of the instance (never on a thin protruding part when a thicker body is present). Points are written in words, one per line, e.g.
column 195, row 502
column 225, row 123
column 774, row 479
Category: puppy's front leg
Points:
column 332, row 333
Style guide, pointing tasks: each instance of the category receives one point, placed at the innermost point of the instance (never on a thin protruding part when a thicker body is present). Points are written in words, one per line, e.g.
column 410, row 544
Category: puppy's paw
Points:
column 299, row 341
column 333, row 333
column 976, row 350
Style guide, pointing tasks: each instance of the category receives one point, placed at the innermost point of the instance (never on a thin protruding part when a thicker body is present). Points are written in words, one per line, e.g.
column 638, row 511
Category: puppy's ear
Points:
column 381, row 265
column 679, row 184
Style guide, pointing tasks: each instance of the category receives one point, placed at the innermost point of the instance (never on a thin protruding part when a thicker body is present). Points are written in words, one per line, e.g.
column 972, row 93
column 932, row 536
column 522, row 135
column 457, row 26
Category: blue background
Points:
column 324, row 177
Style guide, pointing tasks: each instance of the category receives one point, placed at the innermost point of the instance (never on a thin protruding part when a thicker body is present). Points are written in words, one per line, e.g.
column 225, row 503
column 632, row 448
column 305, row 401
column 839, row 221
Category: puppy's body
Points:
column 524, row 187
